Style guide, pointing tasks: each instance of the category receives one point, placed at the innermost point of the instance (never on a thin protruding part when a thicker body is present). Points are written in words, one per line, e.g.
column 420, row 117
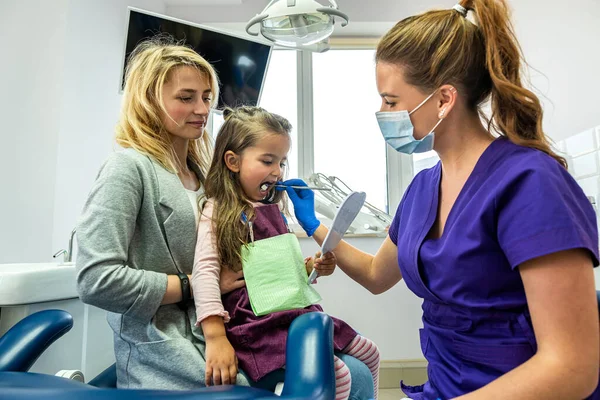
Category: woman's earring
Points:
column 442, row 113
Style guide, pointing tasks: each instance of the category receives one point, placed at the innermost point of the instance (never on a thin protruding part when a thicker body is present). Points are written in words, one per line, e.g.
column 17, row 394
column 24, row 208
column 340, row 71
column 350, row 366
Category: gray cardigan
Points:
column 137, row 227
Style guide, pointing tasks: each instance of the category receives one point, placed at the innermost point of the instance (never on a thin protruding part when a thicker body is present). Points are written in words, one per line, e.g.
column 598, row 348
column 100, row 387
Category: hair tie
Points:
column 460, row 9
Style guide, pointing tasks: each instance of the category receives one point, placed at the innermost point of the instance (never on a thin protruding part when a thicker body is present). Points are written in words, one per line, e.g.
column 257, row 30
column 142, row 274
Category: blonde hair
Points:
column 242, row 129
column 483, row 60
column 140, row 125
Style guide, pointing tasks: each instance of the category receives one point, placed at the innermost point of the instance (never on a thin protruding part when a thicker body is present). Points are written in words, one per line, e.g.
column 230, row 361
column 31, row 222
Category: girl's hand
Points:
column 221, row 362
column 309, row 264
column 325, row 265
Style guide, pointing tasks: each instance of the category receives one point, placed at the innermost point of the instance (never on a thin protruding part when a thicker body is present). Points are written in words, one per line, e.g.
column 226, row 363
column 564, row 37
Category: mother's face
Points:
column 186, row 99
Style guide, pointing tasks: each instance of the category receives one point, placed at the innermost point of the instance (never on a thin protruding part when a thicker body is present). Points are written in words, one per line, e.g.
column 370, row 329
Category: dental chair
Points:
column 309, row 370
column 22, row 345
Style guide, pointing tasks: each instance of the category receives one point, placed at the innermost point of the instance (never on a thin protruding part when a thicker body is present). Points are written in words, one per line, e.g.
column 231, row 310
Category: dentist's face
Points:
column 186, row 96
column 397, row 95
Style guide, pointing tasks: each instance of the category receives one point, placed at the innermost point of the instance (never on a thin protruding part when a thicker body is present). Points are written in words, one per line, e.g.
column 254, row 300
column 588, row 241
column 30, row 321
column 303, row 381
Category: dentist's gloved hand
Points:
column 304, row 205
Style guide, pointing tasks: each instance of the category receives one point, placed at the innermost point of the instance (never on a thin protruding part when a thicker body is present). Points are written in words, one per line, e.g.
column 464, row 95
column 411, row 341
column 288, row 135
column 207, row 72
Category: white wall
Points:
column 89, row 101
column 560, row 41
column 59, row 103
column 31, row 74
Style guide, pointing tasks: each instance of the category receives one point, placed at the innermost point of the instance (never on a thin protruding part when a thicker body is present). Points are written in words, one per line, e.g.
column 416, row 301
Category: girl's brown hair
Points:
column 243, row 128
column 483, row 60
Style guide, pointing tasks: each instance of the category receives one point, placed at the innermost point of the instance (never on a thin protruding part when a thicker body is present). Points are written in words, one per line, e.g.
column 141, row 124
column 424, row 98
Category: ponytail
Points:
column 516, row 111
column 483, row 59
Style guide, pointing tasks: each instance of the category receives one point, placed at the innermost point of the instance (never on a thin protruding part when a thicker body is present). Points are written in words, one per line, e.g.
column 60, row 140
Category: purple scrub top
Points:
column 517, row 204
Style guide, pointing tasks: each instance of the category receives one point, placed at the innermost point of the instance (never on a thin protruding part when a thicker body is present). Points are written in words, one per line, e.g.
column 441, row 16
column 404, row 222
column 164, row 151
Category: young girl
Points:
column 250, row 154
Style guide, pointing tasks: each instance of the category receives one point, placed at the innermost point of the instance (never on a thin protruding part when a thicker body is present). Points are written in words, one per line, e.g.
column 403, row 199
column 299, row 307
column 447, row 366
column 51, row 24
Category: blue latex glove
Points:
column 304, row 205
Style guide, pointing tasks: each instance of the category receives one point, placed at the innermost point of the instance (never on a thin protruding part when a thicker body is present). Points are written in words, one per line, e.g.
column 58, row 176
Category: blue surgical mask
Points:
column 397, row 130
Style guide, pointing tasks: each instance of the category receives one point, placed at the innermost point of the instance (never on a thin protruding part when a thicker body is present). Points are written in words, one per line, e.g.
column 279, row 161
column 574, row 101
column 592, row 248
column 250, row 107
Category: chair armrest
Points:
column 309, row 358
column 106, row 379
column 309, row 367
column 22, row 345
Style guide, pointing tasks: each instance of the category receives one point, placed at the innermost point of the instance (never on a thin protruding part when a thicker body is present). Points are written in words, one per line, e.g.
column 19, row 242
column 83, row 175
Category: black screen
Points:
column 240, row 63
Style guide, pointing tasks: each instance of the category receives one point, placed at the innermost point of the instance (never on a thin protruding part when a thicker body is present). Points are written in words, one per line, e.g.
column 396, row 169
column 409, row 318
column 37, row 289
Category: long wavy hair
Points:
column 140, row 125
column 483, row 59
column 242, row 129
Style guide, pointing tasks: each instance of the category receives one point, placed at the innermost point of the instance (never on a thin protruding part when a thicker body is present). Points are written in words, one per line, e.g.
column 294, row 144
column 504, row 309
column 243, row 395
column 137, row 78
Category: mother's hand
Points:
column 230, row 280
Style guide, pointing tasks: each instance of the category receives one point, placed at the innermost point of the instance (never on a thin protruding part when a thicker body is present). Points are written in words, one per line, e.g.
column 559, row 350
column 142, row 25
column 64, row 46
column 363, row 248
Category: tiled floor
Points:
column 390, row 394
column 389, row 378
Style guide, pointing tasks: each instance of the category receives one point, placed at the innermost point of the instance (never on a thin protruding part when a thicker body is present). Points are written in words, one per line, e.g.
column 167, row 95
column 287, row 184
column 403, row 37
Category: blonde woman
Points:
column 137, row 233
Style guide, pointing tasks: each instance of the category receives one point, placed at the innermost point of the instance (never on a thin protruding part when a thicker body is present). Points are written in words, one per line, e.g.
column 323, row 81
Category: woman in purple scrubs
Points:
column 497, row 239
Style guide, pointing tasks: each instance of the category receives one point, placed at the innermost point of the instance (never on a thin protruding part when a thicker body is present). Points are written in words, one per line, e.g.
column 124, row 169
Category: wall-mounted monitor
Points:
column 241, row 63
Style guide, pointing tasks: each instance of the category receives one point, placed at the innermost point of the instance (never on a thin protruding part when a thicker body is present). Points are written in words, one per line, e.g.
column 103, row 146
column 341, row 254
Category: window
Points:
column 347, row 140
column 279, row 95
column 331, row 99
column 215, row 122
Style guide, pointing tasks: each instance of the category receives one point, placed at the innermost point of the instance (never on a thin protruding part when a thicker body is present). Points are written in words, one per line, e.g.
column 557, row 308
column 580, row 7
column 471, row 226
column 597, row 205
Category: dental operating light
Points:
column 301, row 24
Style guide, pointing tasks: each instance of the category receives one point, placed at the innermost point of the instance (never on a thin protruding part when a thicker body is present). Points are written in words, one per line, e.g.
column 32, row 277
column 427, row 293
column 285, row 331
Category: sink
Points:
column 31, row 287
column 29, row 283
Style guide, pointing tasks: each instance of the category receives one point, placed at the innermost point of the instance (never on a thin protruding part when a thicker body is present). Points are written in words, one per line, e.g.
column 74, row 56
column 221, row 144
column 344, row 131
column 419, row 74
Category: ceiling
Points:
column 357, row 10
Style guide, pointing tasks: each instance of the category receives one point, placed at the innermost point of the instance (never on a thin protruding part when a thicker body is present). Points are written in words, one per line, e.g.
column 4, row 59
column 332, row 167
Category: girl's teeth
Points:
column 264, row 186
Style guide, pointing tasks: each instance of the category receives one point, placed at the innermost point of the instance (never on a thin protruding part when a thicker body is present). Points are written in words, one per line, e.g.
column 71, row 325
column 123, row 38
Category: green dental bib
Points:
column 275, row 275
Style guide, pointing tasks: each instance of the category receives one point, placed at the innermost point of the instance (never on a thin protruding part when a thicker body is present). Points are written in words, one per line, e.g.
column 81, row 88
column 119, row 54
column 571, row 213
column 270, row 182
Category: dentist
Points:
column 497, row 239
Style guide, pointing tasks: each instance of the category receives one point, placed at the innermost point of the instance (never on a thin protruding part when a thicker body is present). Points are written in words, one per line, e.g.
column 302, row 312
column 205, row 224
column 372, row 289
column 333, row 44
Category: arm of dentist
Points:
column 376, row 273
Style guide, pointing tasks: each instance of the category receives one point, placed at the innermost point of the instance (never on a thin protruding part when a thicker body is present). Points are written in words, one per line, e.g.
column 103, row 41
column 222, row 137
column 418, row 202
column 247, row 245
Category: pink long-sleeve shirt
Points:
column 206, row 271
